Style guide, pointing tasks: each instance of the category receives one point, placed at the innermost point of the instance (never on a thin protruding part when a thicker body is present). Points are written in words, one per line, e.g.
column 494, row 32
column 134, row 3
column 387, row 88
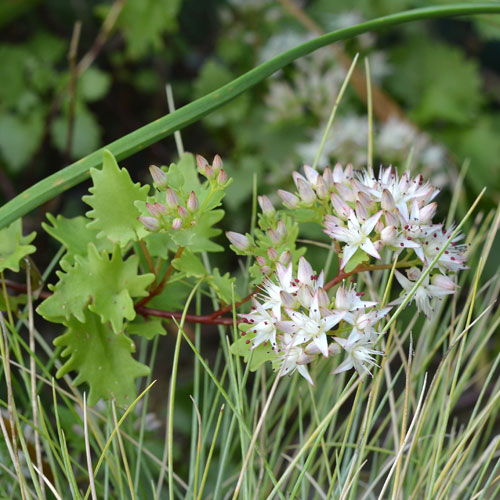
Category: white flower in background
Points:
column 346, row 142
column 355, row 235
column 395, row 139
column 435, row 287
column 360, row 353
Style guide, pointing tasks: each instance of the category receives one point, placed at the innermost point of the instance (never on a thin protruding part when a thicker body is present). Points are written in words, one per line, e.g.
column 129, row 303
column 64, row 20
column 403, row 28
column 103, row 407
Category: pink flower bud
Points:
column 322, row 189
column 338, row 173
column 261, row 260
column 388, row 235
column 387, row 201
column 274, row 236
column 287, row 299
column 361, row 211
column 379, row 226
column 171, row 198
column 156, row 209
column 182, row 211
column 444, row 282
column 201, row 163
column 365, row 200
column 342, row 209
column 240, row 241
column 266, row 205
column 209, row 172
column 282, row 228
column 428, row 212
column 391, row 219
column 159, row 176
column 311, row 174
column 192, row 203
column 177, row 223
column 217, row 163
column 344, row 192
column 305, row 190
column 323, row 299
column 289, row 199
column 272, row 253
column 328, row 177
column 222, row 177
column 286, row 257
column 349, row 171
column 150, row 223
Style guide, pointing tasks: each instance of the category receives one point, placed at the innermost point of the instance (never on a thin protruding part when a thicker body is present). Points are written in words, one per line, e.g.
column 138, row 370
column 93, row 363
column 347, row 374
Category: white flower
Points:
column 311, row 328
column 438, row 286
column 272, row 291
column 295, row 358
column 263, row 324
column 359, row 352
column 308, row 282
column 355, row 235
column 436, row 237
column 347, row 299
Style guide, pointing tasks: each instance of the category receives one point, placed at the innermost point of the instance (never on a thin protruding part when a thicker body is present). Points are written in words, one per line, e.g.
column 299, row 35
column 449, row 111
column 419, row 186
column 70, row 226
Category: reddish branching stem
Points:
column 215, row 317
column 159, row 288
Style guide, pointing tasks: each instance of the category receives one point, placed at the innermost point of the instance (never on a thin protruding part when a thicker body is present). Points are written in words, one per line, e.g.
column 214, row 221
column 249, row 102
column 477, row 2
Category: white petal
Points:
column 369, row 248
column 370, row 223
column 348, row 252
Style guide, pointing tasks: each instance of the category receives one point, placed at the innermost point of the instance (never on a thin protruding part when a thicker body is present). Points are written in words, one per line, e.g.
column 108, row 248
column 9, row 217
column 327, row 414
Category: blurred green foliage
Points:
column 443, row 74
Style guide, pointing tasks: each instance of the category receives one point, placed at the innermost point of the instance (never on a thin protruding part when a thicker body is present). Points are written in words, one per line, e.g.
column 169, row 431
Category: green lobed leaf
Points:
column 14, row 246
column 102, row 359
column 74, row 234
column 223, row 286
column 147, row 328
column 189, row 264
column 258, row 356
column 184, row 175
column 112, row 202
column 198, row 238
column 105, row 284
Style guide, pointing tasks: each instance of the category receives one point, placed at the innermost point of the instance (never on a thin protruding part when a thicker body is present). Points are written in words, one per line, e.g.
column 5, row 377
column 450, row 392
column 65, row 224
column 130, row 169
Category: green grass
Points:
column 424, row 427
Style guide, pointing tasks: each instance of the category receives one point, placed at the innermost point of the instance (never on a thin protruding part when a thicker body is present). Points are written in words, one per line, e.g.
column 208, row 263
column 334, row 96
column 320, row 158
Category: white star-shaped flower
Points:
column 355, row 235
column 312, row 328
column 360, row 353
column 437, row 286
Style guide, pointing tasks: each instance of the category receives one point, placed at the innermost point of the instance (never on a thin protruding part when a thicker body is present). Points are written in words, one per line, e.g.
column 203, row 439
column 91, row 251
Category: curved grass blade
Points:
column 141, row 138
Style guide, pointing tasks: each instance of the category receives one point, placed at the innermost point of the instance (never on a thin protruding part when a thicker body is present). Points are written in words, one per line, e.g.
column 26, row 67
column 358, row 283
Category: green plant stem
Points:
column 140, row 139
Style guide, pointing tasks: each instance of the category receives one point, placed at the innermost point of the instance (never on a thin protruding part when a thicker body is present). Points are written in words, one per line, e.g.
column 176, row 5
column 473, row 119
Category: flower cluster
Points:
column 366, row 215
column 296, row 317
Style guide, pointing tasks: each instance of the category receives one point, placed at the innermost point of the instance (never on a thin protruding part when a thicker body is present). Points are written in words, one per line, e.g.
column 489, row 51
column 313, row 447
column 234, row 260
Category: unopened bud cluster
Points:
column 214, row 172
column 178, row 210
column 273, row 241
column 294, row 316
